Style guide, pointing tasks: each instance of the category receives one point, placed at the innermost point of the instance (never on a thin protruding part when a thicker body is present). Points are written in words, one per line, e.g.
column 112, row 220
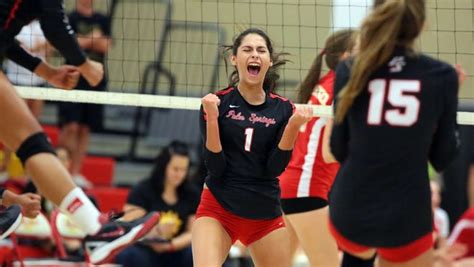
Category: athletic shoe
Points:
column 10, row 219
column 116, row 235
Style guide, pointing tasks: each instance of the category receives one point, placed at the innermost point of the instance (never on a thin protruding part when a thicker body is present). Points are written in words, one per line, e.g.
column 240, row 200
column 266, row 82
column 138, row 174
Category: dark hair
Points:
column 391, row 23
column 162, row 161
column 272, row 75
column 336, row 45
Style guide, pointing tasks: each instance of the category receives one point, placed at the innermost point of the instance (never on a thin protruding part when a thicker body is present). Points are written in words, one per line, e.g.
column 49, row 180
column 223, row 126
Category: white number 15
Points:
column 406, row 107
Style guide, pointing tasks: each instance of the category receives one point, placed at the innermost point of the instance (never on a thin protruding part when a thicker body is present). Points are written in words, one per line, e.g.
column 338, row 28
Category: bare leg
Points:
column 272, row 249
column 313, row 234
column 69, row 138
column 35, row 106
column 17, row 125
column 293, row 237
column 210, row 243
column 82, row 145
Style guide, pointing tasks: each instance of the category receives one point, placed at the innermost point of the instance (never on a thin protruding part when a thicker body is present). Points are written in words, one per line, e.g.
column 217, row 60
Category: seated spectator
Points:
column 168, row 191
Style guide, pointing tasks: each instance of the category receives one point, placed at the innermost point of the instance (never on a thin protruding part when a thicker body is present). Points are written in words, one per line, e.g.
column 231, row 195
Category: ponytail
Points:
column 336, row 45
column 380, row 33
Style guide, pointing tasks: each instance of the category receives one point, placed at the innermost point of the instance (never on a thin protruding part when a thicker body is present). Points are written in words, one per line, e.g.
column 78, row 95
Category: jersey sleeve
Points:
column 137, row 197
column 22, row 57
column 59, row 33
column 446, row 143
column 339, row 142
column 279, row 159
column 215, row 162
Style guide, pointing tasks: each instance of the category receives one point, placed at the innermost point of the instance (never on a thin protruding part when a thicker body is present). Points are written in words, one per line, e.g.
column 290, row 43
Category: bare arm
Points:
column 300, row 117
column 133, row 212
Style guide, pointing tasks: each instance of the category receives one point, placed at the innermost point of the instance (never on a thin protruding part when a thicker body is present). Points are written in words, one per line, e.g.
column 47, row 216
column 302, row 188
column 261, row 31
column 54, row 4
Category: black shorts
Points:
column 303, row 204
column 90, row 115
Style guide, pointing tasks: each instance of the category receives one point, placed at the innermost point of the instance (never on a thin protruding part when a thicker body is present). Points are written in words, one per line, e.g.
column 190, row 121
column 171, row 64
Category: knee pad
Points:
column 34, row 144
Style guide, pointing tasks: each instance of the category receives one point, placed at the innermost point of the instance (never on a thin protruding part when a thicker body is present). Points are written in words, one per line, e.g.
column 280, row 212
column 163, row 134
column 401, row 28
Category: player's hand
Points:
column 210, row 105
column 92, row 71
column 65, row 77
column 461, row 74
column 302, row 115
column 30, row 204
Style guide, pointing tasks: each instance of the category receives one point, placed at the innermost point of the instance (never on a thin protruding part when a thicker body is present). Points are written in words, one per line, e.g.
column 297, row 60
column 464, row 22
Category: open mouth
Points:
column 253, row 69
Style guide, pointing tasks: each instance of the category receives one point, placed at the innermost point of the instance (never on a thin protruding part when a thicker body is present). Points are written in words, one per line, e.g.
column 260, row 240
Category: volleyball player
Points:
column 395, row 111
column 249, row 133
column 308, row 178
column 20, row 132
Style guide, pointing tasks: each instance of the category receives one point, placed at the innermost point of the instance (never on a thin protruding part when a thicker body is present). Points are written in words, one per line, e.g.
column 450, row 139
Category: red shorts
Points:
column 394, row 254
column 238, row 228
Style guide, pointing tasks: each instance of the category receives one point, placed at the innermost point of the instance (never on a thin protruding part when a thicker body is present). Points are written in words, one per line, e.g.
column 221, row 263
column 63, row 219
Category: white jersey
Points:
column 31, row 37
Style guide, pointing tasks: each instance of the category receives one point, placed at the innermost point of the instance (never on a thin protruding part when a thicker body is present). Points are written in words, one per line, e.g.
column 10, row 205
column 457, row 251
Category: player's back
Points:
column 394, row 127
column 393, row 122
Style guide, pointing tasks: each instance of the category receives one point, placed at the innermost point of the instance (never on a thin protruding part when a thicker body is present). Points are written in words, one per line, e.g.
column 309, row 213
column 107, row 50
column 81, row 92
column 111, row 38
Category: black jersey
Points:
column 405, row 117
column 14, row 14
column 243, row 177
column 146, row 195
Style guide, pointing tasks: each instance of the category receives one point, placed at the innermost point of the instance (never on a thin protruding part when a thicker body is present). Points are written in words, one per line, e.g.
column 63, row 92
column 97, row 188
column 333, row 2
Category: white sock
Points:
column 81, row 211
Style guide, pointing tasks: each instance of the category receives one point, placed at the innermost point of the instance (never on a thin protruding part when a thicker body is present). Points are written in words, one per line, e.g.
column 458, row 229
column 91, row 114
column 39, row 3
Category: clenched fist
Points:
column 210, row 104
column 302, row 115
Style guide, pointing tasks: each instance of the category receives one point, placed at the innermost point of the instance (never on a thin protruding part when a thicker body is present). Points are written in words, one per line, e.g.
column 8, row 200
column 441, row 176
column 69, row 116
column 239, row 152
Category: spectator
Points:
column 168, row 191
column 78, row 119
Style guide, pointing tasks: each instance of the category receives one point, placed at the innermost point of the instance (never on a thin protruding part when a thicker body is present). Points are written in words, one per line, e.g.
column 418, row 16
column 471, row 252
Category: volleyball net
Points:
column 167, row 53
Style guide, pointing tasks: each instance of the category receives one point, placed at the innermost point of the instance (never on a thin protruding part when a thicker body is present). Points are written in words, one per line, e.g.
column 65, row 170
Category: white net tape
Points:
column 153, row 101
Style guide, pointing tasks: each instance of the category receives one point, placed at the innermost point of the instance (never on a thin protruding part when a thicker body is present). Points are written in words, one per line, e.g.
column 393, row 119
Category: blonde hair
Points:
column 391, row 23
